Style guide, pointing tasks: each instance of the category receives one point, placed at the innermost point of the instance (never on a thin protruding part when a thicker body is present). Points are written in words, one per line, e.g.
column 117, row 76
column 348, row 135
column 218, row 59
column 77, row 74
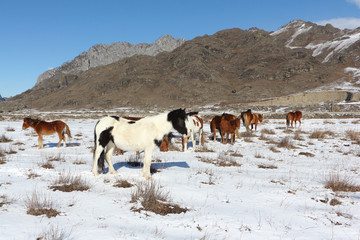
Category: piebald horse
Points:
column 47, row 128
column 293, row 116
column 144, row 134
column 194, row 125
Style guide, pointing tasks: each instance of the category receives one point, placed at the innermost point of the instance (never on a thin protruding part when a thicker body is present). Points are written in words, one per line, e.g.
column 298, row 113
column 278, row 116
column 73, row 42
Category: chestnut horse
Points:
column 252, row 119
column 47, row 128
column 215, row 123
column 293, row 116
column 229, row 127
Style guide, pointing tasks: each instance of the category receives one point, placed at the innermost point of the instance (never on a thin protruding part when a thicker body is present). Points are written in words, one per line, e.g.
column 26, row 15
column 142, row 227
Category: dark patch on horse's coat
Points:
column 106, row 137
column 116, row 117
column 177, row 118
column 131, row 122
column 158, row 142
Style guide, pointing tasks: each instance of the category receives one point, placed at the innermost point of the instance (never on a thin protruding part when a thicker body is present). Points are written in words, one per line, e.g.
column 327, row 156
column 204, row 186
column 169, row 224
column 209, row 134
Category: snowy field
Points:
column 266, row 190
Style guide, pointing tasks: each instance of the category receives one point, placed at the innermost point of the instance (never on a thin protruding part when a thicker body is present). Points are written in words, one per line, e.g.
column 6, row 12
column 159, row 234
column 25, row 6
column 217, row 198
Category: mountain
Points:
column 1, row 98
column 103, row 54
column 232, row 66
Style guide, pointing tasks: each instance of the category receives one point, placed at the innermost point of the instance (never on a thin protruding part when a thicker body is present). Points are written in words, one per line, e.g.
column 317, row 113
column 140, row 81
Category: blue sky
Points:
column 38, row 35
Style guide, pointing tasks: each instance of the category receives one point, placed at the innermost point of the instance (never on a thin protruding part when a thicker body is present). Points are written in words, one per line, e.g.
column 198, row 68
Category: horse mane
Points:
column 191, row 113
column 32, row 120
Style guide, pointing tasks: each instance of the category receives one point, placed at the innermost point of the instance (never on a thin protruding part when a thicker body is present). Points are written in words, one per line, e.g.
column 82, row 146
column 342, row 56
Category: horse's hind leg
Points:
column 147, row 163
column 109, row 152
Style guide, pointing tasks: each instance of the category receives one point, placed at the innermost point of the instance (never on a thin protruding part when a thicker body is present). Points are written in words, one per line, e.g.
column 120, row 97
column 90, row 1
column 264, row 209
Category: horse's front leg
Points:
column 184, row 142
column 109, row 152
column 40, row 141
column 147, row 163
column 192, row 139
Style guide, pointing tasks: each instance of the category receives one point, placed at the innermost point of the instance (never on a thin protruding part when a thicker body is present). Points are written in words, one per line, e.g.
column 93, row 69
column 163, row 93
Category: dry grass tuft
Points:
column 4, row 200
column 318, row 134
column 54, row 232
column 154, row 199
column 222, row 161
column 339, row 183
column 273, row 149
column 38, row 204
column 68, row 183
column 55, row 158
column 204, row 148
column 286, row 143
column 5, row 139
column 267, row 131
column 353, row 135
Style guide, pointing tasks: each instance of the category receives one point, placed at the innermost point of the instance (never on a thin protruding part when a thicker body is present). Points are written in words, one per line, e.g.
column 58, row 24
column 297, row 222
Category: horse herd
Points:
column 144, row 134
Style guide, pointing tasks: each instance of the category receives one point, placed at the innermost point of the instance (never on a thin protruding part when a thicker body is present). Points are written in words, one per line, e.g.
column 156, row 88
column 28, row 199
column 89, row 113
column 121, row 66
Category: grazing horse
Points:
column 47, row 128
column 215, row 123
column 229, row 127
column 252, row 119
column 144, row 134
column 194, row 125
column 293, row 116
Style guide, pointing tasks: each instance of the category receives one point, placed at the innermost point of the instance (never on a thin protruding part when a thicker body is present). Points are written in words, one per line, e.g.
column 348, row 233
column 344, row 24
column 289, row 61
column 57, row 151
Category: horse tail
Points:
column 287, row 120
column 68, row 131
column 101, row 159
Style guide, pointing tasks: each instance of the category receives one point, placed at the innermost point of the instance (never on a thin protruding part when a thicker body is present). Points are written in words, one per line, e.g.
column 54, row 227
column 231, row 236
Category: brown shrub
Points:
column 69, row 183
column 123, row 184
column 154, row 199
column 38, row 204
column 286, row 143
column 341, row 184
column 267, row 131
column 318, row 134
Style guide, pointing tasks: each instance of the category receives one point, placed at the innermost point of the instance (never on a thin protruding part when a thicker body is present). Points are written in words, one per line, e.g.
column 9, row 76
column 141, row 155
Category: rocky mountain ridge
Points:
column 230, row 67
column 103, row 54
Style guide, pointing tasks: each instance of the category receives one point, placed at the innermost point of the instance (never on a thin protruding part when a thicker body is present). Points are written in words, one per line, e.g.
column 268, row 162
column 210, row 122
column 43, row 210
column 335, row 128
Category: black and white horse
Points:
column 144, row 134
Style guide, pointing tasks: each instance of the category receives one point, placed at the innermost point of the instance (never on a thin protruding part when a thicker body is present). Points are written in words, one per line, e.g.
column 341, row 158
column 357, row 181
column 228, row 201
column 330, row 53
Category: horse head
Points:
column 261, row 117
column 26, row 123
column 177, row 118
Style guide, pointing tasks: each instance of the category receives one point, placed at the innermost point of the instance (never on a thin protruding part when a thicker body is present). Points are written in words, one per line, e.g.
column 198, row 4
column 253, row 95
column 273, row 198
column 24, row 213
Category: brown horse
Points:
column 252, row 119
column 293, row 116
column 215, row 122
column 229, row 127
column 47, row 128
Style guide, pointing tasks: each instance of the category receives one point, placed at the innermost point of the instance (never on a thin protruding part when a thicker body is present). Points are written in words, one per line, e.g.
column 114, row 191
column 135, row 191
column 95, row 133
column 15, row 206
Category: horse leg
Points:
column 192, row 139
column 184, row 142
column 97, row 153
column 147, row 163
column 109, row 152
column 299, row 122
column 40, row 141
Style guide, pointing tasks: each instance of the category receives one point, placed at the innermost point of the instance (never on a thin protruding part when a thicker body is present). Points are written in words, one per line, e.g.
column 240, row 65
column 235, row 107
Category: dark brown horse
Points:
column 252, row 119
column 215, row 123
column 229, row 127
column 48, row 128
column 293, row 116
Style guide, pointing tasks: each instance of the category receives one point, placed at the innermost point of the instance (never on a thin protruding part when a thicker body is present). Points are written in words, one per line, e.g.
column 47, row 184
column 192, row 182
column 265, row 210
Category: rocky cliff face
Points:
column 232, row 66
column 103, row 54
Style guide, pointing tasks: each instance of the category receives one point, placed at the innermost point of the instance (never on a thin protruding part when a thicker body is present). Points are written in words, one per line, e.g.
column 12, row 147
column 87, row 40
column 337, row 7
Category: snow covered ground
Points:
column 274, row 193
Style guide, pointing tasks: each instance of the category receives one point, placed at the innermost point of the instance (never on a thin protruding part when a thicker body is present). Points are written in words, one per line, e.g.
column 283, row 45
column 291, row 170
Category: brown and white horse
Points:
column 47, row 128
column 252, row 119
column 293, row 116
column 194, row 125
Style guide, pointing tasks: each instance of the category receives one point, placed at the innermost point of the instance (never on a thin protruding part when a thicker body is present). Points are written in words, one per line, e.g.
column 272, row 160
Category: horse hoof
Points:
column 95, row 173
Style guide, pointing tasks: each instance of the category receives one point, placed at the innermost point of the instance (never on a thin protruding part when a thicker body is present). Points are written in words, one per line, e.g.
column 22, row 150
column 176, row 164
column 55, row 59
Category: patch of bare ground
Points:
column 69, row 183
column 267, row 166
column 154, row 199
column 307, row 154
column 339, row 183
column 38, row 204
column 122, row 184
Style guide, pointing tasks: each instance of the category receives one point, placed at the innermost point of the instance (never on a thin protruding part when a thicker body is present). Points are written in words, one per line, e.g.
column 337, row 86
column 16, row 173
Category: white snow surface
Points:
column 287, row 201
